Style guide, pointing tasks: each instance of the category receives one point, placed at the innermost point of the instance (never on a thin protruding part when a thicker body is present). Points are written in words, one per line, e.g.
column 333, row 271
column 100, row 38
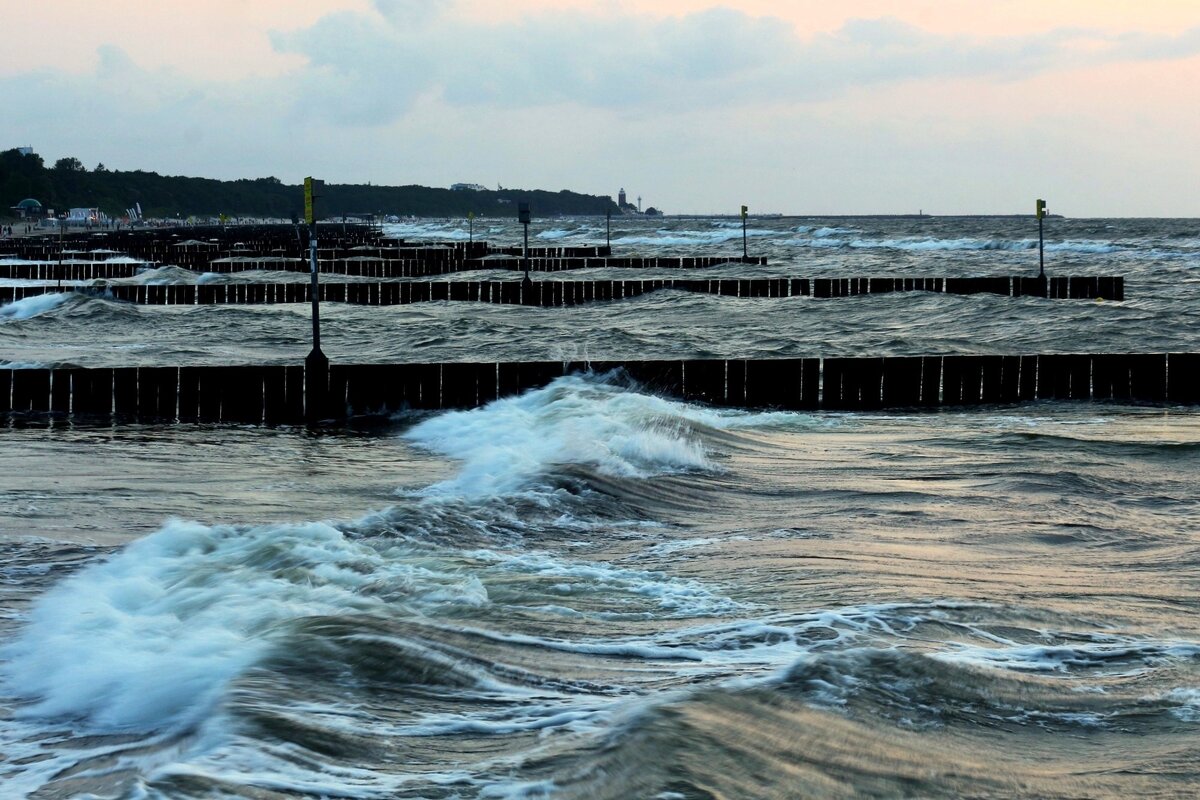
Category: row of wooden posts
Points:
column 292, row 394
column 225, row 252
column 576, row 292
column 360, row 266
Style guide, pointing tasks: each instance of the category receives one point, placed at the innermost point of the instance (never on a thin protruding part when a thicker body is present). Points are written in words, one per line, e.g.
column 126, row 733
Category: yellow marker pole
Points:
column 316, row 365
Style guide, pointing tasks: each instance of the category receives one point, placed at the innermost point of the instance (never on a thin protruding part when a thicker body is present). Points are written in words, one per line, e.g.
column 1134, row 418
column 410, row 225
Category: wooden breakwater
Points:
column 405, row 267
column 278, row 395
column 159, row 244
column 355, row 251
column 575, row 292
column 73, row 270
column 364, row 266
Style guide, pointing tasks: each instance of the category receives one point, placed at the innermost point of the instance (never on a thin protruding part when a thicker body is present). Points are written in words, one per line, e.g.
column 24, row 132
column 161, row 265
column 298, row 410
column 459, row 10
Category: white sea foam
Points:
column 417, row 231
column 1117, row 657
column 1186, row 702
column 693, row 237
column 151, row 637
column 38, row 282
column 627, row 592
column 826, row 232
column 833, row 238
column 579, row 420
column 32, row 306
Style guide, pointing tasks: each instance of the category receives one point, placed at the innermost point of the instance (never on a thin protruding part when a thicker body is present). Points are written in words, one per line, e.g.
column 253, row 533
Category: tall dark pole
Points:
column 523, row 217
column 1041, row 247
column 316, row 365
column 316, row 293
column 608, row 230
column 471, row 227
column 1041, row 217
column 62, row 226
column 745, row 244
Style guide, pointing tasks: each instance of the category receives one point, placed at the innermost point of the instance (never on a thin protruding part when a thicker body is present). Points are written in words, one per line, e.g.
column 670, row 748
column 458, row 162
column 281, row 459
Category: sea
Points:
column 593, row 591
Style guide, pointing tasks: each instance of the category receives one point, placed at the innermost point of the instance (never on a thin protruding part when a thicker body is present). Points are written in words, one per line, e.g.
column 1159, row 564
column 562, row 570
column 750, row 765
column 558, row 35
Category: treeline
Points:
column 68, row 184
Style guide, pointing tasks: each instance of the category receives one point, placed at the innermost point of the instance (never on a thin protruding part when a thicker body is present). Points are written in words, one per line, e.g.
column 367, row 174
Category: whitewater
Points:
column 593, row 591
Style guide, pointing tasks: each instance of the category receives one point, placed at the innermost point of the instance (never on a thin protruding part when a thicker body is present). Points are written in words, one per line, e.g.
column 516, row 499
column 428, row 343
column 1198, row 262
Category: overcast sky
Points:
column 795, row 106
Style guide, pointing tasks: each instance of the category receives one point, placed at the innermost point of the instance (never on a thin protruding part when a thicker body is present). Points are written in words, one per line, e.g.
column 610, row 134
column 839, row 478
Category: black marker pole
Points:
column 62, row 226
column 745, row 243
column 1041, row 215
column 523, row 217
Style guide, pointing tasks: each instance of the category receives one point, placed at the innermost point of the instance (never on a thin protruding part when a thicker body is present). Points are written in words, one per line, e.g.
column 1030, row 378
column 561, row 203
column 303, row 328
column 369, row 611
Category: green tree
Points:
column 69, row 164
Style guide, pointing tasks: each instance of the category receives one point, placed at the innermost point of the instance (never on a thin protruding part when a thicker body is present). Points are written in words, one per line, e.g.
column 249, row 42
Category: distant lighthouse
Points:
column 621, row 199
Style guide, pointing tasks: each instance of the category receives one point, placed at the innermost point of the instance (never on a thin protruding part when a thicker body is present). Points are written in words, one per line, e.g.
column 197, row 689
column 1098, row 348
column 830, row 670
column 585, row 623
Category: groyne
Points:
column 278, row 394
column 552, row 293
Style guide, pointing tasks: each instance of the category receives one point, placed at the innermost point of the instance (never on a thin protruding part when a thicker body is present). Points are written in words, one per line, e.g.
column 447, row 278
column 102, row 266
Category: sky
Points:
column 789, row 106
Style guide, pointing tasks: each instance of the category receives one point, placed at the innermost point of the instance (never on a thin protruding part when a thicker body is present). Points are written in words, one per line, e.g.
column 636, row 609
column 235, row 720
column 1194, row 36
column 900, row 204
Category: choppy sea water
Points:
column 591, row 591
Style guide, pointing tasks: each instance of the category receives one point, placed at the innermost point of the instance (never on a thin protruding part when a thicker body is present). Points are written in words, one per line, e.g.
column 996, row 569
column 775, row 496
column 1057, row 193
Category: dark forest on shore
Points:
column 69, row 184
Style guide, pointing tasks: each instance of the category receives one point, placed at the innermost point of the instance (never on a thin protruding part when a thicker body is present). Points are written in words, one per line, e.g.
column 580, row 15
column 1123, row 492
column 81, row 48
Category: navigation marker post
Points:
column 1041, row 216
column 471, row 227
column 316, row 365
column 62, row 227
column 608, row 230
column 745, row 246
column 523, row 218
